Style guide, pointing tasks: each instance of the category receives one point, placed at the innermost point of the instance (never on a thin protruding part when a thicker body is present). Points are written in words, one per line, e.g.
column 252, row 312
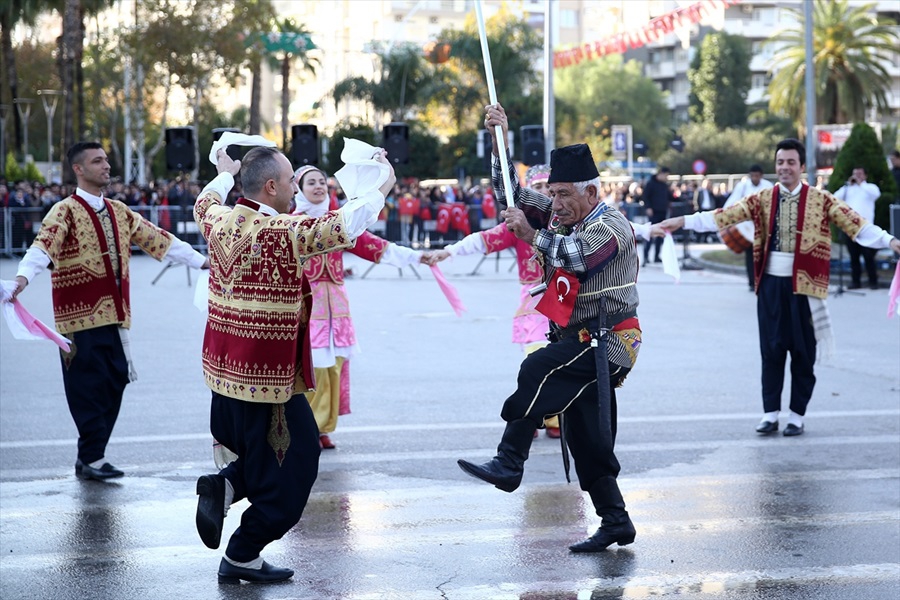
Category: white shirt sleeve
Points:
column 701, row 221
column 33, row 263
column 841, row 193
column 361, row 212
column 642, row 230
column 182, row 253
column 400, row 256
column 871, row 190
column 873, row 236
column 471, row 244
column 221, row 184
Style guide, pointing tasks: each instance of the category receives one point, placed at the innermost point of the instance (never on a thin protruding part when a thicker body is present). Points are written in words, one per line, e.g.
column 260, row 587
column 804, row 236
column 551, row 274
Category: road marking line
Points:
column 493, row 425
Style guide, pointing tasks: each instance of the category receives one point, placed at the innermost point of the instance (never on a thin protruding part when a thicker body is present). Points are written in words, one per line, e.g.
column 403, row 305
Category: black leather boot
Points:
column 616, row 526
column 505, row 470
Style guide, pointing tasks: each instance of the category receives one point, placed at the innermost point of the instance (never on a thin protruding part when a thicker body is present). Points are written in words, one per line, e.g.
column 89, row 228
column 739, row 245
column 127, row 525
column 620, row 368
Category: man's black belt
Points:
column 561, row 333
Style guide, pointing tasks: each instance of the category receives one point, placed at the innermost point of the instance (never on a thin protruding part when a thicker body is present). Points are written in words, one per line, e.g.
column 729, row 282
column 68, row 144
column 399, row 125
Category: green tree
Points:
column 32, row 173
column 256, row 15
column 851, row 49
column 720, row 80
column 191, row 42
column 13, row 171
column 36, row 68
column 71, row 74
column 13, row 12
column 401, row 85
column 424, row 150
column 727, row 150
column 596, row 94
column 515, row 48
column 862, row 149
column 346, row 129
column 460, row 151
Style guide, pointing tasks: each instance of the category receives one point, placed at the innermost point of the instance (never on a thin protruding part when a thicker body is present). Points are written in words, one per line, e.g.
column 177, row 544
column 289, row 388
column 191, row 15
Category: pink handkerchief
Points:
column 449, row 291
column 894, row 295
column 23, row 325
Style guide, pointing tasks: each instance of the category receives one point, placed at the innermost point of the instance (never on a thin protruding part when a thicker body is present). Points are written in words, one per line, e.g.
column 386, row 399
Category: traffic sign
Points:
column 620, row 141
column 699, row 167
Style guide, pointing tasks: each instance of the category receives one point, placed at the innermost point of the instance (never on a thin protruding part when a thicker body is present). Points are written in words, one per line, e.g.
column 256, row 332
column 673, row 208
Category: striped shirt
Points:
column 600, row 251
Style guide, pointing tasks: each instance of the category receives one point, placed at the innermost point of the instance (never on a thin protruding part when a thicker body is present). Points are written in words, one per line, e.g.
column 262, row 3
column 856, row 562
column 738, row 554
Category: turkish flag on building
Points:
column 558, row 301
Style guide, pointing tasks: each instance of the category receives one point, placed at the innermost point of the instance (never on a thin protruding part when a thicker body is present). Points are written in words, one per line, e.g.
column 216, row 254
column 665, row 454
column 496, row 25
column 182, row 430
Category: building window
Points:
column 760, row 80
column 568, row 18
column 763, row 15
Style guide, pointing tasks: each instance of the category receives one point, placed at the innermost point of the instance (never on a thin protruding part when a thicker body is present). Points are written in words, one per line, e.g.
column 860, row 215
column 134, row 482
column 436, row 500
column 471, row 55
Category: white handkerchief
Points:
column 240, row 139
column 201, row 292
column 669, row 258
column 361, row 173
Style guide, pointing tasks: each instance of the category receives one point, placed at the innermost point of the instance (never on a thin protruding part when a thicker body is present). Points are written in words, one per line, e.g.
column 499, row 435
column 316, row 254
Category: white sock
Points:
column 771, row 417
column 229, row 496
column 256, row 563
column 795, row 419
column 98, row 463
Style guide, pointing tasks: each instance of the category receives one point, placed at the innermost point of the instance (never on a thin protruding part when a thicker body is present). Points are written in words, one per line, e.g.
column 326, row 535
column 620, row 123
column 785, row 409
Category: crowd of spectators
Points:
column 415, row 214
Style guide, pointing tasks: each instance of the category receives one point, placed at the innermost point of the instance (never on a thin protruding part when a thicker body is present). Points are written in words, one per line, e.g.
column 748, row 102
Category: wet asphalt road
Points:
column 721, row 512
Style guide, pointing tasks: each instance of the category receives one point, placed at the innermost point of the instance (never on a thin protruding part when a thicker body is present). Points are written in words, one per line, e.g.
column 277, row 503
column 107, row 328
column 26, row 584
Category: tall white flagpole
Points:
column 492, row 93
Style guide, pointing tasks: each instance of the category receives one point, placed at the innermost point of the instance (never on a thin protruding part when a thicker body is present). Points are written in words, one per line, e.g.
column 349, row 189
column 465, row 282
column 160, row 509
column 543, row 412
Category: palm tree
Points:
column 12, row 13
column 291, row 41
column 851, row 48
column 256, row 15
column 403, row 83
column 70, row 56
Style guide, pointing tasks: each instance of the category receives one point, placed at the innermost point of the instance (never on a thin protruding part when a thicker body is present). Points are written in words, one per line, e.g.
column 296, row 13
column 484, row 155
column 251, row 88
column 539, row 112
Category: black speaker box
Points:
column 396, row 142
column 180, row 149
column 531, row 138
column 304, row 145
column 486, row 148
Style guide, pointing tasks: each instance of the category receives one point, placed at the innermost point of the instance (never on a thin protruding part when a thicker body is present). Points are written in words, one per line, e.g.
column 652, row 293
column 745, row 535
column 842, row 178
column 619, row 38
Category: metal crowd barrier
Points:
column 19, row 226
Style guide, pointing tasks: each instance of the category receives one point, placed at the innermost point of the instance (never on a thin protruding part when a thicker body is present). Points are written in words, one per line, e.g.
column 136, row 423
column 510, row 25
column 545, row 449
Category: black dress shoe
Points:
column 495, row 473
column 107, row 471
column 792, row 430
column 228, row 573
column 767, row 427
column 211, row 510
column 605, row 536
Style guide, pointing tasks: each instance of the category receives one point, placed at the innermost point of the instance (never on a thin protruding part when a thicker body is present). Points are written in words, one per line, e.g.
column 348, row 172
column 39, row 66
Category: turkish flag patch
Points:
column 558, row 301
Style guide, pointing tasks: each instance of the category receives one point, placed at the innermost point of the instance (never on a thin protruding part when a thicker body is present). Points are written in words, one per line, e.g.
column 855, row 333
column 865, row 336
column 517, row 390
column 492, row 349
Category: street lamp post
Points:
column 4, row 111
column 50, row 98
column 23, row 105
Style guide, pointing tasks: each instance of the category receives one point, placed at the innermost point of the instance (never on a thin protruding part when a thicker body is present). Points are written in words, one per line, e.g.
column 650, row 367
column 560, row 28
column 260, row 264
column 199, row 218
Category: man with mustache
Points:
column 587, row 250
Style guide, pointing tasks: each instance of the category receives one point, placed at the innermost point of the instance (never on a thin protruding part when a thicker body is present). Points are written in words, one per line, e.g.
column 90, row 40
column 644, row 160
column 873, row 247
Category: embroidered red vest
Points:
column 256, row 346
column 812, row 246
column 330, row 267
column 85, row 294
